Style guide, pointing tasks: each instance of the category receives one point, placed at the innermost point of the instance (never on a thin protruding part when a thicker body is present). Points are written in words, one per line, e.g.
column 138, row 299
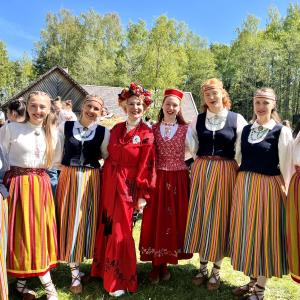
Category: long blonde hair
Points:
column 47, row 125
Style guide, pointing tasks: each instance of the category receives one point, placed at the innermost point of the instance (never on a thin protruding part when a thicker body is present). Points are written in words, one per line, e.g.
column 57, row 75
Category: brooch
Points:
column 136, row 139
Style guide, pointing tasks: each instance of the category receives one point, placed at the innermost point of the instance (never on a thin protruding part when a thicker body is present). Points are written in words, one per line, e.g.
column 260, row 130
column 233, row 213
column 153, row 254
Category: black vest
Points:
column 261, row 157
column 220, row 142
column 84, row 154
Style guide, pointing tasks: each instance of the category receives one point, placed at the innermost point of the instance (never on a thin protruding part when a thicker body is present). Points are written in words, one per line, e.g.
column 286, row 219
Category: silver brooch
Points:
column 37, row 132
column 136, row 139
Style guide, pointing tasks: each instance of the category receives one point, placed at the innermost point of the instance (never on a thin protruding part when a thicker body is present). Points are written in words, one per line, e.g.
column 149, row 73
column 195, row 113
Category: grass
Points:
column 179, row 287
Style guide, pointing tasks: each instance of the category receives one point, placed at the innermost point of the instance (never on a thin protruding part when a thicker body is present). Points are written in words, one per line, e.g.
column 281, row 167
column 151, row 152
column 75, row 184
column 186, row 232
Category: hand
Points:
column 297, row 168
column 141, row 204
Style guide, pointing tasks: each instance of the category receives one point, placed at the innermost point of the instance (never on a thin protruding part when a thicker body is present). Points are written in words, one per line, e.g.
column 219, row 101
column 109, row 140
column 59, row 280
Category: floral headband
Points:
column 135, row 90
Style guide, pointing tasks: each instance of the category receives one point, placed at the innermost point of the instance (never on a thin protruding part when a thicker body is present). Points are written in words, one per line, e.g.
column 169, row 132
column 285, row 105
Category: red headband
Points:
column 174, row 92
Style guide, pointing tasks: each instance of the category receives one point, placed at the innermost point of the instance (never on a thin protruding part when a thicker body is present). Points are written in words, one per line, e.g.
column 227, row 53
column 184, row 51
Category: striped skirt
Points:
column 293, row 226
column 32, row 236
column 78, row 199
column 3, row 246
column 257, row 229
column 207, row 230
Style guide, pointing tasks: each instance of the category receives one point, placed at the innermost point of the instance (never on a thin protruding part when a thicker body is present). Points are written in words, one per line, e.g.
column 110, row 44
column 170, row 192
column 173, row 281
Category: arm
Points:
column 192, row 138
column 104, row 152
column 3, row 168
column 241, row 123
column 285, row 150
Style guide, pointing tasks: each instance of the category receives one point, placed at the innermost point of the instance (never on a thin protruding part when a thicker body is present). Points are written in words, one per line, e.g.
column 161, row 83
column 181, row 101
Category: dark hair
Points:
column 18, row 106
column 179, row 116
column 58, row 98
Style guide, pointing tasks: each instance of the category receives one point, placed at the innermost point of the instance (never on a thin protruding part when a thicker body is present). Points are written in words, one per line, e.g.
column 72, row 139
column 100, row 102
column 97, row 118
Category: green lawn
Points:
column 179, row 287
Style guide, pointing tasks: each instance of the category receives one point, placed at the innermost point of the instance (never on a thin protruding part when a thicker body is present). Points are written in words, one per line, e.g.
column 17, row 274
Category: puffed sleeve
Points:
column 3, row 169
column 104, row 152
column 241, row 123
column 5, row 138
column 193, row 143
column 285, row 151
column 58, row 138
column 146, row 177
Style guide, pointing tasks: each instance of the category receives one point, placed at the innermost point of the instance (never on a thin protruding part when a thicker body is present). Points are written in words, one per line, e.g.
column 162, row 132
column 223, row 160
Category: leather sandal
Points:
column 75, row 289
column 244, row 289
column 28, row 295
column 50, row 293
column 258, row 294
column 211, row 286
column 202, row 276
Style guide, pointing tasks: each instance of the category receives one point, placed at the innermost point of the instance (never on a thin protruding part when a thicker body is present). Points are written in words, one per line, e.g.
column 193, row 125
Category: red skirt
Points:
column 164, row 219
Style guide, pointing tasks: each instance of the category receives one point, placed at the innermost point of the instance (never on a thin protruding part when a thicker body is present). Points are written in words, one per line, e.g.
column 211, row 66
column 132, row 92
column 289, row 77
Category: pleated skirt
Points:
column 32, row 234
column 3, row 247
column 257, row 230
column 78, row 204
column 207, row 230
column 293, row 226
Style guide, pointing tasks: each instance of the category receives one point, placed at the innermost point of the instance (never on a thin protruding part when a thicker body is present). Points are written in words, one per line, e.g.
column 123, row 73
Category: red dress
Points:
column 128, row 174
column 164, row 218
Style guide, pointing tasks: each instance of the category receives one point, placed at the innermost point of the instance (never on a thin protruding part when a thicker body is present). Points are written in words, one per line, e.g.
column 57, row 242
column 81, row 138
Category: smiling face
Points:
column 214, row 99
column 171, row 107
column 38, row 108
column 91, row 110
column 263, row 108
column 134, row 108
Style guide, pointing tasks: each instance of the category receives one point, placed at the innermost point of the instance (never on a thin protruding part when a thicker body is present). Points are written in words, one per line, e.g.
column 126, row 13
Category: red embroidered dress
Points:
column 128, row 174
column 164, row 219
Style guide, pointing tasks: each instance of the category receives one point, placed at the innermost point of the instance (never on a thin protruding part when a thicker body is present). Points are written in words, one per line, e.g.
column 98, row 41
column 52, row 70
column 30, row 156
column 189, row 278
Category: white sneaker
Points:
column 117, row 293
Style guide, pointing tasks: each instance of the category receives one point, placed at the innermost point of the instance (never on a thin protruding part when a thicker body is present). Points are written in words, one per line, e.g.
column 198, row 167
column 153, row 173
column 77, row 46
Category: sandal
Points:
column 259, row 295
column 202, row 276
column 50, row 292
column 26, row 295
column 211, row 286
column 244, row 289
column 75, row 289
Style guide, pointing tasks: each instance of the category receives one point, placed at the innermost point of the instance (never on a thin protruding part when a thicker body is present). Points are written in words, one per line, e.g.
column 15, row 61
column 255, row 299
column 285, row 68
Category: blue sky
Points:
column 216, row 21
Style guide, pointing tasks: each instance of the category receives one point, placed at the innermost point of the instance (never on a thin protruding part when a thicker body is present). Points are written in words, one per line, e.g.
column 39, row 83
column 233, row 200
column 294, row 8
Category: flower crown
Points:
column 135, row 90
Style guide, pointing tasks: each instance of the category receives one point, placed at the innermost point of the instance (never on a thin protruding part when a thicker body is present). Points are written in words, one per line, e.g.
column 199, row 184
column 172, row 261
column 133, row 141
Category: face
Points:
column 263, row 108
column 171, row 107
column 91, row 110
column 38, row 108
column 214, row 99
column 57, row 106
column 134, row 108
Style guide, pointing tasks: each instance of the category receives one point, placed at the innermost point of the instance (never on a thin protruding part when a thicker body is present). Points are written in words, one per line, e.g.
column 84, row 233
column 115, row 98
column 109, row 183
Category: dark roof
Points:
column 55, row 82
column 110, row 96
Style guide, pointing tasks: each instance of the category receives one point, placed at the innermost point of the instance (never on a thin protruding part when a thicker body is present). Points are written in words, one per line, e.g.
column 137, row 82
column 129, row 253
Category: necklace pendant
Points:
column 260, row 128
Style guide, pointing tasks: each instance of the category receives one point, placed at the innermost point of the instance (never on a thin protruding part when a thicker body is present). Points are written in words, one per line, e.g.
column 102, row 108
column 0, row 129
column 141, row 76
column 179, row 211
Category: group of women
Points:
column 234, row 203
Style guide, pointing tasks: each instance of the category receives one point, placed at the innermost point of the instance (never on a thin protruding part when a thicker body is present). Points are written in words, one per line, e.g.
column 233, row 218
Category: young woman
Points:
column 78, row 190
column 293, row 215
column 162, row 240
column 257, row 230
column 216, row 131
column 3, row 228
column 128, row 175
column 32, row 239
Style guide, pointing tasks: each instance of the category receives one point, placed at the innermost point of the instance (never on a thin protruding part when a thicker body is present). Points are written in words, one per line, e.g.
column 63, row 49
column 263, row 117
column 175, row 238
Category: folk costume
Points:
column 32, row 235
column 3, row 228
column 162, row 241
column 258, row 215
column 293, row 215
column 129, row 175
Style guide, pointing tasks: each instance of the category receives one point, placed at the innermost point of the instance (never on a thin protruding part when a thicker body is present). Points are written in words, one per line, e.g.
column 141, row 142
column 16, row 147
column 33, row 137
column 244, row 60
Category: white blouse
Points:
column 24, row 145
column 296, row 152
column 214, row 122
column 285, row 146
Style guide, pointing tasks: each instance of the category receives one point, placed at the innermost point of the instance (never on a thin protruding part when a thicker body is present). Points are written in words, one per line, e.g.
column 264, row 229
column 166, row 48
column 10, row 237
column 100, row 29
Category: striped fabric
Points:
column 32, row 237
column 77, row 196
column 3, row 245
column 293, row 226
column 257, row 229
column 207, row 227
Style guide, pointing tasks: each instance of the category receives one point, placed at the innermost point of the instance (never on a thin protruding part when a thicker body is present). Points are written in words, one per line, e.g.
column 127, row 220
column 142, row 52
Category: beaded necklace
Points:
column 168, row 129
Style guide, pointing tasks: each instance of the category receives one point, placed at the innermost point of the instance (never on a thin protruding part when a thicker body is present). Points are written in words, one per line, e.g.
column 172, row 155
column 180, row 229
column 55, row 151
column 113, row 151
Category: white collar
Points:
column 269, row 125
column 222, row 113
column 91, row 127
